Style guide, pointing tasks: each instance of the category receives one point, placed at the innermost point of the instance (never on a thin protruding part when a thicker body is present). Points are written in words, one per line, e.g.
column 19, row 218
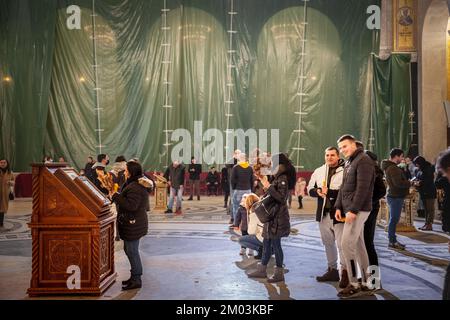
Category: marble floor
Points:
column 194, row 257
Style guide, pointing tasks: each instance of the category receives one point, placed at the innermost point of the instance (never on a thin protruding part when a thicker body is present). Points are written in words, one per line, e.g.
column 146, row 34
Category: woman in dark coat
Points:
column 279, row 226
column 427, row 189
column 132, row 218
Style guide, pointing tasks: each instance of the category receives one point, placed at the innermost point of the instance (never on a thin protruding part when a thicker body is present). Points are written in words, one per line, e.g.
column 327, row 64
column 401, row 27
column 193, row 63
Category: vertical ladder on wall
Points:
column 411, row 114
column 97, row 88
column 230, row 66
column 301, row 93
column 165, row 64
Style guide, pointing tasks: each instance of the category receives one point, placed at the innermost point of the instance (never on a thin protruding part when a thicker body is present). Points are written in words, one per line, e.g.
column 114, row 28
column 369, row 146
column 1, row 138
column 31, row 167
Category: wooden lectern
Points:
column 406, row 221
column 72, row 230
column 160, row 193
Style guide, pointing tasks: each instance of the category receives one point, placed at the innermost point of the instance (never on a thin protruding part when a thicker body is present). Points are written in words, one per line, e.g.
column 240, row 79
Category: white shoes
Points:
column 242, row 252
column 250, row 253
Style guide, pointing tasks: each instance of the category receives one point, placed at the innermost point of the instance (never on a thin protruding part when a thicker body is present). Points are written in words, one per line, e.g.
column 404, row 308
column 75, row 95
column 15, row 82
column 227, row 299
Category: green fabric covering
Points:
column 131, row 76
column 392, row 103
column 26, row 51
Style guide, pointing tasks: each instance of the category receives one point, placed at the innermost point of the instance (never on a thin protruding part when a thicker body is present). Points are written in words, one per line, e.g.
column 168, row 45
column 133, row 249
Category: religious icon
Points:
column 404, row 16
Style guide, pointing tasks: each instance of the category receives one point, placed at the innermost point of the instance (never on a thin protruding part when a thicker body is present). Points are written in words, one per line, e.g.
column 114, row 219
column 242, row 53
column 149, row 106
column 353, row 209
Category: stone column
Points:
column 386, row 40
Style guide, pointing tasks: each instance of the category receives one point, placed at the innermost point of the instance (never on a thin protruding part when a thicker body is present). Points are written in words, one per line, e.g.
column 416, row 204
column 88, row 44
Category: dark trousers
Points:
column 429, row 210
column 212, row 189
column 446, row 220
column 369, row 233
column 446, row 292
column 226, row 196
column 244, row 233
column 194, row 185
column 131, row 249
column 2, row 218
column 269, row 246
column 300, row 202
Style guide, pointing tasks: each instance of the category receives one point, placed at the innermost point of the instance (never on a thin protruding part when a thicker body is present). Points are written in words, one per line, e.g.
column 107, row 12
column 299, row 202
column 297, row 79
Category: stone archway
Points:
column 432, row 118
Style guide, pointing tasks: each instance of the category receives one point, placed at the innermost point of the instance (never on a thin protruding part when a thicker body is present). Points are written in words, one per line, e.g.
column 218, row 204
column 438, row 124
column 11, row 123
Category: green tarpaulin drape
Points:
column 133, row 69
column 26, row 52
column 391, row 103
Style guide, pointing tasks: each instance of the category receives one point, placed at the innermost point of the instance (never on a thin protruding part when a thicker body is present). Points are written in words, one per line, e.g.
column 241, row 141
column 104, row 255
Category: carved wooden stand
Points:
column 406, row 222
column 160, row 196
column 71, row 227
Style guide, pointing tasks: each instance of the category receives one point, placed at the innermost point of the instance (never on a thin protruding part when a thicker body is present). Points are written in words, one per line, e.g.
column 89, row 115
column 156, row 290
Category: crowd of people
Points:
column 258, row 192
column 348, row 196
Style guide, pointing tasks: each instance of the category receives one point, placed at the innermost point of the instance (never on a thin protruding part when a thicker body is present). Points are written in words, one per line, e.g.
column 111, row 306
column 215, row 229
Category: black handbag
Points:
column 265, row 209
column 11, row 195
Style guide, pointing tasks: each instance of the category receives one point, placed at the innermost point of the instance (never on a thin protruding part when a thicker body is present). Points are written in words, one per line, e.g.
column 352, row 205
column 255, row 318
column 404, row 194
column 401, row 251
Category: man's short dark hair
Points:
column 120, row 159
column 396, row 152
column 91, row 158
column 443, row 162
column 332, row 149
column 346, row 137
column 100, row 157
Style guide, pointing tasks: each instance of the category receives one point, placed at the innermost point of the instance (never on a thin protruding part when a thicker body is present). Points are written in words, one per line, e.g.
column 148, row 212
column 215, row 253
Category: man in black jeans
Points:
column 195, row 169
column 379, row 191
column 443, row 165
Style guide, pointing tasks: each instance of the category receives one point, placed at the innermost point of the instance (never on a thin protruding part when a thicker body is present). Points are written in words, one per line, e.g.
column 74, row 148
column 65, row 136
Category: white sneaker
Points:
column 250, row 253
column 242, row 252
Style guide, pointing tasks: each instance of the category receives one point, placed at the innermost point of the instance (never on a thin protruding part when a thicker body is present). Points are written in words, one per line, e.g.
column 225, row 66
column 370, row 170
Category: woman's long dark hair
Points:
column 135, row 170
column 421, row 162
column 290, row 172
column 7, row 168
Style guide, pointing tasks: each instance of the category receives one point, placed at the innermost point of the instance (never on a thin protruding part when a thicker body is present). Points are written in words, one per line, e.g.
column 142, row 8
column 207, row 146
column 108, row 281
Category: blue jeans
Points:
column 395, row 211
column 250, row 241
column 237, row 197
column 175, row 193
column 268, row 246
column 131, row 249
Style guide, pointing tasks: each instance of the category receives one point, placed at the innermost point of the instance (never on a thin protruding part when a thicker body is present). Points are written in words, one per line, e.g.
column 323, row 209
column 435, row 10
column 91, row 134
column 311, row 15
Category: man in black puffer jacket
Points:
column 354, row 202
column 132, row 218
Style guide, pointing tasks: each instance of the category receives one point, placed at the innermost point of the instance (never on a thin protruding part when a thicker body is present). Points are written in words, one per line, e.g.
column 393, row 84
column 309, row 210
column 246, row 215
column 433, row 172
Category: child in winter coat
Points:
column 299, row 191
